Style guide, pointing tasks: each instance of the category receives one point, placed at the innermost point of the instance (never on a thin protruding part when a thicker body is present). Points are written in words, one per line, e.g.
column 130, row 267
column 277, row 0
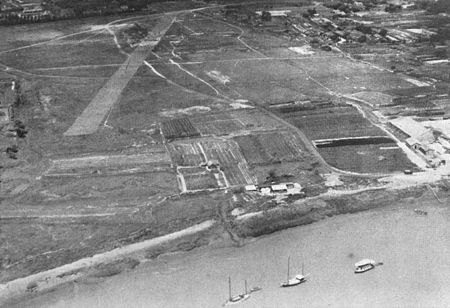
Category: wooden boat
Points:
column 237, row 298
column 298, row 279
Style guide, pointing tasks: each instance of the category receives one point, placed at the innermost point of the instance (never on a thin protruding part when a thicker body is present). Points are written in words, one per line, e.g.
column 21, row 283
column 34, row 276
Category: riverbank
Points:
column 106, row 264
column 238, row 230
column 409, row 245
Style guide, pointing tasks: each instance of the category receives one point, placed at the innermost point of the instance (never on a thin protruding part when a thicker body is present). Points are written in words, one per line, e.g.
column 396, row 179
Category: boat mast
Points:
column 229, row 287
column 302, row 269
column 246, row 286
column 289, row 259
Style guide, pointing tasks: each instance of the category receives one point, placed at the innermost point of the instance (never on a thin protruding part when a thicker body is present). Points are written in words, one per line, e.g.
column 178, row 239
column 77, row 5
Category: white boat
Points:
column 237, row 298
column 364, row 265
column 290, row 282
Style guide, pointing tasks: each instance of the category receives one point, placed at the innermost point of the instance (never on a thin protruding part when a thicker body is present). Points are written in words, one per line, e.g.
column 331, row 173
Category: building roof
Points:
column 414, row 129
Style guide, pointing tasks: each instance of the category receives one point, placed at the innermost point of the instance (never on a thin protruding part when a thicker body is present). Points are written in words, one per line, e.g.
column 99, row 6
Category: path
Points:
column 94, row 114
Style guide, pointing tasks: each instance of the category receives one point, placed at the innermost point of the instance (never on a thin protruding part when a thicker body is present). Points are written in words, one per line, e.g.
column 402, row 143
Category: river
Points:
column 415, row 251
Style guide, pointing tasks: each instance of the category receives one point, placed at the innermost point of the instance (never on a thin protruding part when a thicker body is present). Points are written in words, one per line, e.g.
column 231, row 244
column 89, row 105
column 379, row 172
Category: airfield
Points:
column 134, row 139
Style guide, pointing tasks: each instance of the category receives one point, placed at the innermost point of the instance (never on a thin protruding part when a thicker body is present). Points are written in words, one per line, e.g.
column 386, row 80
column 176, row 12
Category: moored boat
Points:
column 364, row 266
column 237, row 298
column 298, row 279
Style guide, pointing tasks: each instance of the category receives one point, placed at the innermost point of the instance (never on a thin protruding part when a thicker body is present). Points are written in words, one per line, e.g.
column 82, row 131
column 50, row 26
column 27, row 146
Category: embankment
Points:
column 307, row 211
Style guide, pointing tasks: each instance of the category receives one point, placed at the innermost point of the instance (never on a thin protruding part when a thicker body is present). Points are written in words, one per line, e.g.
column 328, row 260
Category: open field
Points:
column 141, row 106
column 94, row 114
column 66, row 52
column 44, row 237
column 20, row 36
column 234, row 122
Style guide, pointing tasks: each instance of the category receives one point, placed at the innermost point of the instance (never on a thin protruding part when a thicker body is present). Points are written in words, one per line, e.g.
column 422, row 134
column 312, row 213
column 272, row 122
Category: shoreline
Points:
column 96, row 266
column 246, row 228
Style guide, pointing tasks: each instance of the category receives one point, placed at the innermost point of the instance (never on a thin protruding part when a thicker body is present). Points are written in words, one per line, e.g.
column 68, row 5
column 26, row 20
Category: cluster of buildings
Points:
column 334, row 22
column 429, row 139
column 17, row 11
column 276, row 189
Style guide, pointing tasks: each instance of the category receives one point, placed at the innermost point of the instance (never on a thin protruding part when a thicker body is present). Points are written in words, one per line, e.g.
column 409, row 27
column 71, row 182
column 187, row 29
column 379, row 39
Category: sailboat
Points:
column 237, row 298
column 290, row 282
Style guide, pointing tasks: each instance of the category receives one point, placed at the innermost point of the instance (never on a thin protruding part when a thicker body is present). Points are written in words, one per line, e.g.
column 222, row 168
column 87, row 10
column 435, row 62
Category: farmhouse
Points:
column 281, row 188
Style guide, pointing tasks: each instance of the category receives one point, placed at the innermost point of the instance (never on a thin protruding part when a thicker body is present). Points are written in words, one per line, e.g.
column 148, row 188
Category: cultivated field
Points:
column 335, row 122
column 372, row 158
column 271, row 148
column 230, row 159
column 186, row 154
column 178, row 128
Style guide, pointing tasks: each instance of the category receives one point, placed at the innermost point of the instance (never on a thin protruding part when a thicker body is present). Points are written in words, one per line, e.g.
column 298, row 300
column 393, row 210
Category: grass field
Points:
column 198, row 181
column 65, row 52
column 234, row 122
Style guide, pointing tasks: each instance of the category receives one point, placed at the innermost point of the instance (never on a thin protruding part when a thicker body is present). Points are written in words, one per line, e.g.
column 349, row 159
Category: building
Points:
column 274, row 189
column 414, row 129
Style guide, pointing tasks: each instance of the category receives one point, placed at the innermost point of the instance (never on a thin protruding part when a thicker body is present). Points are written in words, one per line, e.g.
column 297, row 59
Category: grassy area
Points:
column 65, row 53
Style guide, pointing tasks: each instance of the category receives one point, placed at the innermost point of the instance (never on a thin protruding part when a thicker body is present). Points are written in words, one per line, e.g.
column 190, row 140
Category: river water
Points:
column 415, row 251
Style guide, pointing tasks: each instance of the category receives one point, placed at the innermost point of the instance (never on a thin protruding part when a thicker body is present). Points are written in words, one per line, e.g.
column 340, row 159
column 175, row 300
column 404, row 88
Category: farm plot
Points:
column 200, row 179
column 270, row 148
column 216, row 124
column 231, row 160
column 337, row 122
column 109, row 164
column 372, row 158
column 178, row 128
column 186, row 154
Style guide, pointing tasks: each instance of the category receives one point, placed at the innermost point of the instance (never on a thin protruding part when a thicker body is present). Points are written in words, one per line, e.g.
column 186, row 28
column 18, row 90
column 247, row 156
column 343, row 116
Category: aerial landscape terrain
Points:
column 136, row 134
